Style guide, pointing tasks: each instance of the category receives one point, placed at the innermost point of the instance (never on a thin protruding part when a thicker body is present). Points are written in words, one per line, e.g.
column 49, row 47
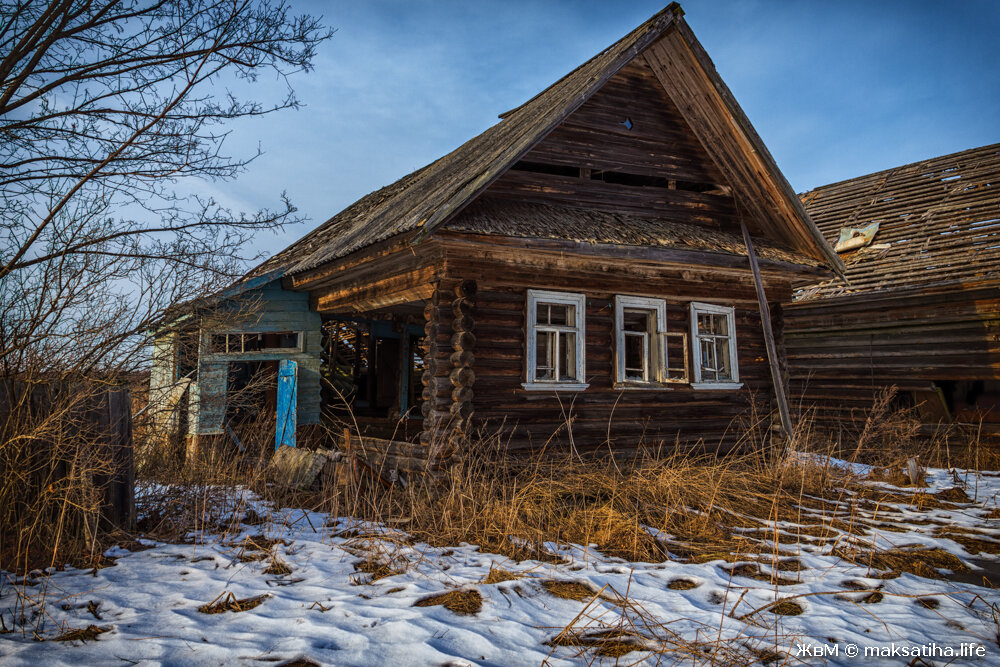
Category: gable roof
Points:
column 939, row 222
column 423, row 200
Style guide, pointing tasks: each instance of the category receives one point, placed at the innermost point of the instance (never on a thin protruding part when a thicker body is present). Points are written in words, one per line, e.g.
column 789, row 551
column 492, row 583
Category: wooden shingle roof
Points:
column 939, row 222
column 420, row 202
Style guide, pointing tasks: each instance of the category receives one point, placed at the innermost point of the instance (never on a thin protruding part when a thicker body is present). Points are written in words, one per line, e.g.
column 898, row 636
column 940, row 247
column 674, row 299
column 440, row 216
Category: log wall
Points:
column 603, row 417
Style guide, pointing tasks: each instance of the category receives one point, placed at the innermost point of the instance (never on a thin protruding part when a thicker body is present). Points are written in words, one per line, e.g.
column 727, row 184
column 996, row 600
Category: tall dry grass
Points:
column 55, row 467
column 516, row 504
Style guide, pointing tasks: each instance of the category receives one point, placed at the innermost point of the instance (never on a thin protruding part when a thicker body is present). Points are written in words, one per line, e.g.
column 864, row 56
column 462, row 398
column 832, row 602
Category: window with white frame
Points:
column 713, row 336
column 640, row 325
column 555, row 336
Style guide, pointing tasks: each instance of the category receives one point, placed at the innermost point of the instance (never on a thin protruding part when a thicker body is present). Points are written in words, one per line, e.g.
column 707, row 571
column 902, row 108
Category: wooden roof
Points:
column 420, row 202
column 939, row 222
column 501, row 217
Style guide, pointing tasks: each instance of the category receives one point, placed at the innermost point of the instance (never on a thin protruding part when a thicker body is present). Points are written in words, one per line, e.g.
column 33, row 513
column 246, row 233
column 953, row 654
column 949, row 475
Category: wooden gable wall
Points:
column 656, row 168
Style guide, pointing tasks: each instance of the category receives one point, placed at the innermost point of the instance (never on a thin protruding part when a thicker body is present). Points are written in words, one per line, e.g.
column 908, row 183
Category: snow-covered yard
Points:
column 357, row 594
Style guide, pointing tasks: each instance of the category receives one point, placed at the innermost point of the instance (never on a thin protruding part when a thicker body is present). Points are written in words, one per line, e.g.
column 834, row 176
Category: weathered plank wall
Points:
column 68, row 425
column 842, row 351
column 921, row 305
column 595, row 138
column 270, row 309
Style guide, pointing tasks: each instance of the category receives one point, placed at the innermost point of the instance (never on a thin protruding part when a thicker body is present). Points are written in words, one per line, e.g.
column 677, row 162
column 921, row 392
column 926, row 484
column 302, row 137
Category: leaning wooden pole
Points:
column 772, row 352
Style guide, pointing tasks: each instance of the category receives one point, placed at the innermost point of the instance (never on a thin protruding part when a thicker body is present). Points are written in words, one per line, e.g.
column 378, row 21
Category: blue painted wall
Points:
column 266, row 309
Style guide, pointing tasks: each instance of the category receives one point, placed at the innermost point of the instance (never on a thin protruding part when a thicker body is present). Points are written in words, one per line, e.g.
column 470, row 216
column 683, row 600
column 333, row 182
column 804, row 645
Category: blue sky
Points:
column 835, row 89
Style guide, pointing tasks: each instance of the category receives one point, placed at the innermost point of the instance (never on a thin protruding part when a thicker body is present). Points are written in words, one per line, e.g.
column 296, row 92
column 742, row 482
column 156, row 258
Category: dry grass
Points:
column 278, row 567
column 498, row 575
column 970, row 540
column 787, row 608
column 569, row 590
column 607, row 643
column 377, row 569
column 88, row 633
column 228, row 602
column 460, row 602
column 754, row 571
column 922, row 562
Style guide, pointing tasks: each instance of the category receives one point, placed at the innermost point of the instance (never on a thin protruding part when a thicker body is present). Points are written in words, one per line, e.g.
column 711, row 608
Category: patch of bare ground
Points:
column 466, row 601
column 682, row 585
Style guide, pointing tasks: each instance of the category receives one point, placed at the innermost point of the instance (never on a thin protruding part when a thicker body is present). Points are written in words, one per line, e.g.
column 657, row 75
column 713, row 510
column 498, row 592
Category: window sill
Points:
column 643, row 386
column 716, row 385
column 554, row 386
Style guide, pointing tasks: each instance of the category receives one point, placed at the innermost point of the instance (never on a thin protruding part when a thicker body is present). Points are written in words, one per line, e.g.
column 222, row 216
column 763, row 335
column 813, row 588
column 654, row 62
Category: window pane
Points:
column 253, row 342
column 714, row 324
column 219, row 343
column 567, row 357
column 235, row 342
column 545, row 368
column 637, row 320
column 722, row 354
column 559, row 314
column 288, row 339
column 708, row 360
column 635, row 356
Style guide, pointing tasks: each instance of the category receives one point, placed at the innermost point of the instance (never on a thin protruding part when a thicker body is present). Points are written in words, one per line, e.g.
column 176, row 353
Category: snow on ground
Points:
column 327, row 611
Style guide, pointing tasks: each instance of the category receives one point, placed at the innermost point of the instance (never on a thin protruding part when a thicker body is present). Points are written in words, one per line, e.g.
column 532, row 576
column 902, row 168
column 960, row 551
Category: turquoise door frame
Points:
column 284, row 431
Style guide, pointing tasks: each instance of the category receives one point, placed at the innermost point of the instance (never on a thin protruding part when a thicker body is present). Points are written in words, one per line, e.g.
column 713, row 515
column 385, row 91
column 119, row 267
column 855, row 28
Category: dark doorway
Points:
column 251, row 400
column 371, row 373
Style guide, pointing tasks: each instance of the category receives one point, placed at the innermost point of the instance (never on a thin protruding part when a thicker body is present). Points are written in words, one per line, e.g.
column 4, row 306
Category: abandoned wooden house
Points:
column 920, row 306
column 589, row 272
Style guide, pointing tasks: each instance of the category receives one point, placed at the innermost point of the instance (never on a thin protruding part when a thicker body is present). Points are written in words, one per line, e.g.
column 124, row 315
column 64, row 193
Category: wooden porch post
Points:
column 772, row 352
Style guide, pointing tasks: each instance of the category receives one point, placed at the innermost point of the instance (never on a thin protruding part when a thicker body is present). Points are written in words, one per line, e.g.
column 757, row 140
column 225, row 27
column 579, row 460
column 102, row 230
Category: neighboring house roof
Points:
column 938, row 222
column 422, row 201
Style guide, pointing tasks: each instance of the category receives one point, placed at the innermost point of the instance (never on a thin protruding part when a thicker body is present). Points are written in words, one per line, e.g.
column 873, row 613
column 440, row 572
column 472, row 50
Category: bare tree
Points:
column 108, row 108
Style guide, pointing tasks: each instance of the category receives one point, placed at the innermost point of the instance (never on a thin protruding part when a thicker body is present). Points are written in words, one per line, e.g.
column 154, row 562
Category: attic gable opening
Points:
column 619, row 177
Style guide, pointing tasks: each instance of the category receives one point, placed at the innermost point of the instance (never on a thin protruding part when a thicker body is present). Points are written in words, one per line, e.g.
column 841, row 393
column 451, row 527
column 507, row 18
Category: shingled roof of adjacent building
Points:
column 423, row 200
column 939, row 222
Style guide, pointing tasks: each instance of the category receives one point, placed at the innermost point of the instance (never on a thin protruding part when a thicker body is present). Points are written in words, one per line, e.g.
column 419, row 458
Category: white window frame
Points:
column 730, row 313
column 579, row 302
column 656, row 361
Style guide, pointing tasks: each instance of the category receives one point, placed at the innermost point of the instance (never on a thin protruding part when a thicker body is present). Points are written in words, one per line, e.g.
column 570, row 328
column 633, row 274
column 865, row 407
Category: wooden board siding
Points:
column 659, row 144
column 273, row 309
column 842, row 351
